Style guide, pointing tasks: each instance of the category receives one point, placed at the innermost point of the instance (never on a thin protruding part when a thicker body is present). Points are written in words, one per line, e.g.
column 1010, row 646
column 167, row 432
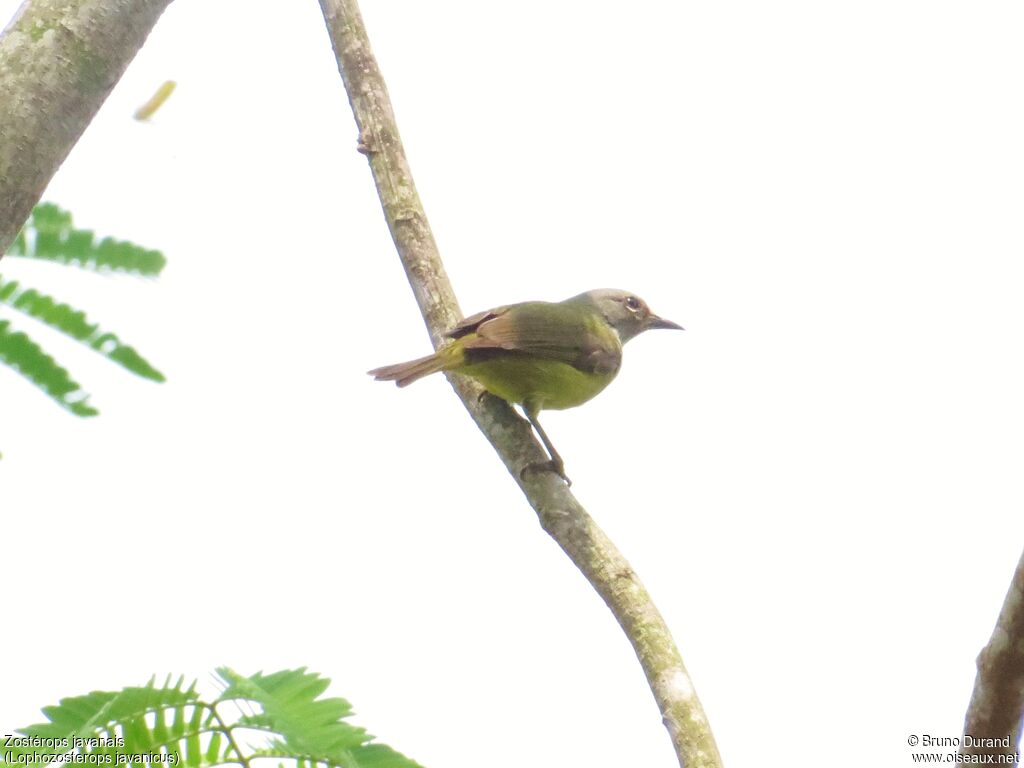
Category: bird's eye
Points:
column 633, row 304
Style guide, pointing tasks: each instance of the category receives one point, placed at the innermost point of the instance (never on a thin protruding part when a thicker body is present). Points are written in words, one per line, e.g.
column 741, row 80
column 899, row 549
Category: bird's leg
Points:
column 556, row 464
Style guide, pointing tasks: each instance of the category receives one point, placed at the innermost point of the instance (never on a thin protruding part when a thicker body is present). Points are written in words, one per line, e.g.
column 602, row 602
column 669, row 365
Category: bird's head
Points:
column 626, row 312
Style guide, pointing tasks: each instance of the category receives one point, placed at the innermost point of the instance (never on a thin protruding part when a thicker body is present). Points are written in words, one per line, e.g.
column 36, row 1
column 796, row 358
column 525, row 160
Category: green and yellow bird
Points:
column 538, row 354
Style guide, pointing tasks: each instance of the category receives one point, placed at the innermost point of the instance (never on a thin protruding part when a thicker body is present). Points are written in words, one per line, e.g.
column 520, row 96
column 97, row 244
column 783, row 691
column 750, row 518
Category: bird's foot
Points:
column 546, row 466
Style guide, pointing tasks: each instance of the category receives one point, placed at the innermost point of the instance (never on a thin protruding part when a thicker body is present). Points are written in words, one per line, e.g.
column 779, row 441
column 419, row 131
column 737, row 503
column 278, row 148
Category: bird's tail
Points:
column 404, row 374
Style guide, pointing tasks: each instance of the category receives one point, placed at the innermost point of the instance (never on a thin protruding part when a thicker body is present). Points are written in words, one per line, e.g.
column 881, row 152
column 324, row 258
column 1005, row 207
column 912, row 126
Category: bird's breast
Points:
column 549, row 384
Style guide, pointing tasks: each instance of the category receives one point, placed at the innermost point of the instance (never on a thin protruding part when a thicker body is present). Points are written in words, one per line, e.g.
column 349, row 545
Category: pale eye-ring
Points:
column 633, row 304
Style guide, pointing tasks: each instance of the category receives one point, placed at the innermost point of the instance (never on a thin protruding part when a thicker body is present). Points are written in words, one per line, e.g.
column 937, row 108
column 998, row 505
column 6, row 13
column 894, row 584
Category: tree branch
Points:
column 559, row 512
column 996, row 710
column 58, row 61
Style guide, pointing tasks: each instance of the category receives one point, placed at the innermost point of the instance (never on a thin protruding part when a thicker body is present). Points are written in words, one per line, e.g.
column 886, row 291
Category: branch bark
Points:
column 59, row 59
column 560, row 513
column 996, row 711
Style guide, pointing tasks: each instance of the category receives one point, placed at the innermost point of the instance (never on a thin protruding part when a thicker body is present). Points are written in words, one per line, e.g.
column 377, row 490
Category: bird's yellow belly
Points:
column 546, row 384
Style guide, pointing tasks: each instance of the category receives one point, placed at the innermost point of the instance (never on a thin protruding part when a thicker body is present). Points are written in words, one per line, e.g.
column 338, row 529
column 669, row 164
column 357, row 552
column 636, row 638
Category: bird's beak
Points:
column 653, row 321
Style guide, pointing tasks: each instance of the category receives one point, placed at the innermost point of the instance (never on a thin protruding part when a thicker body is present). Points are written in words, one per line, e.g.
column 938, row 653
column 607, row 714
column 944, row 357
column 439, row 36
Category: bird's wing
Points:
column 471, row 323
column 551, row 331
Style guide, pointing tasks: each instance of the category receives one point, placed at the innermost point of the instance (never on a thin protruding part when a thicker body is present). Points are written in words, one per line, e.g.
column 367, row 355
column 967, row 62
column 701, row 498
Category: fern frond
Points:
column 290, row 707
column 101, row 723
column 49, row 234
column 172, row 727
column 25, row 356
column 74, row 323
column 311, row 728
column 364, row 756
column 81, row 715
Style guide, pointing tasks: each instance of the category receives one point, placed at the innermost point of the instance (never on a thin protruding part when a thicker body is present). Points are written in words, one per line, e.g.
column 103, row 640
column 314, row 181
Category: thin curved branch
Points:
column 59, row 59
column 560, row 514
column 995, row 715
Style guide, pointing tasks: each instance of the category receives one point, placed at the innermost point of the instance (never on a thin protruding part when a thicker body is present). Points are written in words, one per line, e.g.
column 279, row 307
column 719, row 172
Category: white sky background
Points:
column 819, row 481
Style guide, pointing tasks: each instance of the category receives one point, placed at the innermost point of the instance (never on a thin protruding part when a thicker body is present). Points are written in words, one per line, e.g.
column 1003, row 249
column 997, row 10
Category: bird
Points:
column 540, row 355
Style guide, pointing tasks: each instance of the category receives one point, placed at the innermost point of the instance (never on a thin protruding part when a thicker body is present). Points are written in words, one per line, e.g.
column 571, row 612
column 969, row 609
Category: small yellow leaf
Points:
column 148, row 109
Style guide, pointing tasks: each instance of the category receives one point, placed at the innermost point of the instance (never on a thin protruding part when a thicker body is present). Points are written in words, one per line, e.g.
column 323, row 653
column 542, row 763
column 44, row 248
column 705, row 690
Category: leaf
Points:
column 26, row 357
column 149, row 109
column 193, row 752
column 92, row 715
column 73, row 322
column 81, row 715
column 49, row 235
column 213, row 749
column 134, row 726
column 311, row 727
column 160, row 731
column 288, row 699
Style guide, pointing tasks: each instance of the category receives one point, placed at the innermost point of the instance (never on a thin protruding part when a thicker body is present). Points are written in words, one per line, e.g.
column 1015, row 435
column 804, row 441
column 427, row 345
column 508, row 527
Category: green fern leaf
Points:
column 82, row 715
column 21, row 353
column 157, row 727
column 213, row 749
column 381, row 756
column 178, row 725
column 49, row 217
column 74, row 323
column 49, row 234
column 193, row 751
column 116, row 715
column 363, row 756
column 311, row 727
column 288, row 699
column 160, row 730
